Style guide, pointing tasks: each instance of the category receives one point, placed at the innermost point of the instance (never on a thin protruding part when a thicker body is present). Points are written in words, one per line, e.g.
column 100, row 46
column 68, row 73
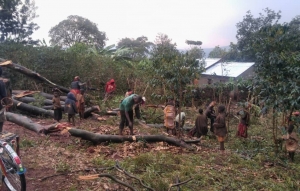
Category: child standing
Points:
column 56, row 105
column 201, row 124
column 70, row 107
column 220, row 126
column 80, row 103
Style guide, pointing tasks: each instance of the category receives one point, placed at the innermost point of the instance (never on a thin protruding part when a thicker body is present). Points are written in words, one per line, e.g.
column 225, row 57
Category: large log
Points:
column 32, row 99
column 46, row 95
column 26, row 122
column 88, row 111
column 30, row 73
column 32, row 109
column 99, row 138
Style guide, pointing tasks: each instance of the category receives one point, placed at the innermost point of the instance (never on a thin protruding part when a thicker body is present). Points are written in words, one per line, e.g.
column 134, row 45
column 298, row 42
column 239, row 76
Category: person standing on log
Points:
column 80, row 103
column 126, row 112
column 56, row 105
column 210, row 114
column 220, row 129
column 76, row 85
column 70, row 107
column 3, row 94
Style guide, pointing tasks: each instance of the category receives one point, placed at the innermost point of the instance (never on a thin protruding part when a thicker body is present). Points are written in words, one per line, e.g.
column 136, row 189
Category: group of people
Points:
column 73, row 104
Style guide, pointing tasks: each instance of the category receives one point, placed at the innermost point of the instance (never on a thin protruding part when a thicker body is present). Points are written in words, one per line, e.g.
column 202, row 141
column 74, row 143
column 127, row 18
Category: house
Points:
column 218, row 71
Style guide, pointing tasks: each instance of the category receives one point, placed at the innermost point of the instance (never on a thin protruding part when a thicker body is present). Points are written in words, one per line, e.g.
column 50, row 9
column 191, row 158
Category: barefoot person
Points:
column 126, row 112
column 220, row 127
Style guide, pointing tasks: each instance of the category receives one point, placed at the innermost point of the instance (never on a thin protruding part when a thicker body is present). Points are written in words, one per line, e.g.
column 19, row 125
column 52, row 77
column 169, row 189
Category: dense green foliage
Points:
column 16, row 21
column 217, row 52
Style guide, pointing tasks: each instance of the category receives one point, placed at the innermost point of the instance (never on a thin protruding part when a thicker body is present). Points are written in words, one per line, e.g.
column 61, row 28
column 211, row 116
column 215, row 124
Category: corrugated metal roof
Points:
column 230, row 69
column 210, row 61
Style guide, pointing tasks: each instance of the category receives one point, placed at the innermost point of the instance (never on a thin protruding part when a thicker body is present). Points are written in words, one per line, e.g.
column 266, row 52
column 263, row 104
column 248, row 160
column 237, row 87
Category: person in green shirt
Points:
column 126, row 112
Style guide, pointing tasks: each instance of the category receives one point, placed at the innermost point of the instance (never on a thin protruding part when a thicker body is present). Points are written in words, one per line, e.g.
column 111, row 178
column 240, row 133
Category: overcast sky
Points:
column 210, row 21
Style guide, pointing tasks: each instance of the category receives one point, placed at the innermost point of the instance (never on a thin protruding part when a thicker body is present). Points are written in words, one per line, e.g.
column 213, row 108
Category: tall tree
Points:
column 76, row 29
column 248, row 28
column 16, row 21
column 217, row 52
column 140, row 47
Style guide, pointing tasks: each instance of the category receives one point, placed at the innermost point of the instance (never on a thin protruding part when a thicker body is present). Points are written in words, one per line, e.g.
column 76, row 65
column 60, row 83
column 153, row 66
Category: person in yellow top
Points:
column 169, row 116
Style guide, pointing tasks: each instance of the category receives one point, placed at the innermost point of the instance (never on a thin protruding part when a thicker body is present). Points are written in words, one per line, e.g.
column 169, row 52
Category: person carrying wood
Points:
column 70, row 107
column 220, row 129
column 244, row 122
column 3, row 94
column 126, row 111
column 56, row 105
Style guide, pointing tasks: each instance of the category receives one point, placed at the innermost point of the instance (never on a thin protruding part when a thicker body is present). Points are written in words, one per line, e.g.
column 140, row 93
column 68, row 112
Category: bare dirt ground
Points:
column 55, row 161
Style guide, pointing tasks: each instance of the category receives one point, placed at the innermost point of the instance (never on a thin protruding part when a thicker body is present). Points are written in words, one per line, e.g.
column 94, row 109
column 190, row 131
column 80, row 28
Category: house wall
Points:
column 204, row 79
column 249, row 73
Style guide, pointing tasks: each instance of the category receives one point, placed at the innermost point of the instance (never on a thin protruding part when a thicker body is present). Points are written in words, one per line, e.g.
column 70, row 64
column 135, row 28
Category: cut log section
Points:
column 32, row 109
column 88, row 111
column 99, row 138
column 32, row 99
column 26, row 122
column 23, row 93
column 30, row 73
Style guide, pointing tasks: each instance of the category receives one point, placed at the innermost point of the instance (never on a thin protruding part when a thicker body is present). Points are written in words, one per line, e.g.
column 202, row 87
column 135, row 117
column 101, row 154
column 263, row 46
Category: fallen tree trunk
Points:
column 26, row 122
column 99, row 138
column 88, row 111
column 32, row 99
column 31, row 93
column 50, row 107
column 30, row 73
column 32, row 109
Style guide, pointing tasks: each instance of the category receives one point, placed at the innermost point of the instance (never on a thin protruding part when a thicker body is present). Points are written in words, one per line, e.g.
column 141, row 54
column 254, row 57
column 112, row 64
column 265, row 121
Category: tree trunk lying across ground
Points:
column 32, row 109
column 30, row 73
column 99, row 138
column 32, row 99
column 88, row 111
column 26, row 122
column 31, row 93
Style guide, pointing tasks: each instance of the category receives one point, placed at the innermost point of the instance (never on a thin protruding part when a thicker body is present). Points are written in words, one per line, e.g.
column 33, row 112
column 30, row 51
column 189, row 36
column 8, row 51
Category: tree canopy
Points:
column 76, row 29
column 16, row 21
column 140, row 47
column 250, row 26
column 217, row 52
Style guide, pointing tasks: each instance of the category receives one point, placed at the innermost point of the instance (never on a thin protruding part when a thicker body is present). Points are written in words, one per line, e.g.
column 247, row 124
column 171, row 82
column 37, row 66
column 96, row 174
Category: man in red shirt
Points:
column 110, row 87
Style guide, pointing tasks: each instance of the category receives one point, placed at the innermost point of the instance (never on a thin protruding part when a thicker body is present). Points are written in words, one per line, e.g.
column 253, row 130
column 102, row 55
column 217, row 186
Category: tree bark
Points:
column 99, row 138
column 26, row 122
column 88, row 111
column 32, row 99
column 30, row 73
column 32, row 109
column 46, row 95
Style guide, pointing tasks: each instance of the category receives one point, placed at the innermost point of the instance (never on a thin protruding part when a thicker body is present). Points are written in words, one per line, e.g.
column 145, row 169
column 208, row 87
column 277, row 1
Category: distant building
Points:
column 218, row 71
